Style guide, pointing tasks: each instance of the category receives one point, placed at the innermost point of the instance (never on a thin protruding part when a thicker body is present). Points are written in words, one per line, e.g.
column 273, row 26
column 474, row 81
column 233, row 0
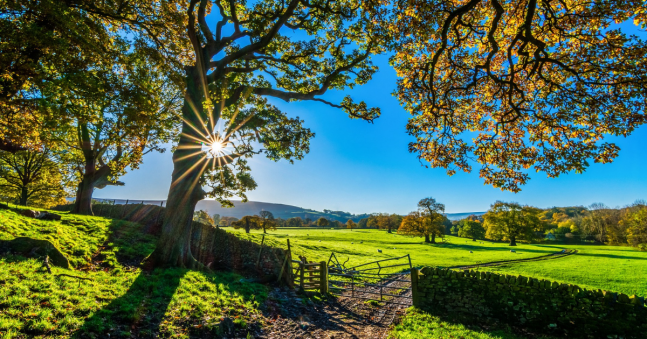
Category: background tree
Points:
column 434, row 211
column 114, row 115
column 267, row 221
column 41, row 40
column 518, row 84
column 472, row 229
column 240, row 62
column 416, row 224
column 362, row 223
column 203, row 217
column 33, row 178
column 511, row 221
column 598, row 221
column 216, row 219
column 294, row 222
column 636, row 224
column 228, row 221
column 387, row 221
column 248, row 222
column 350, row 224
column 322, row 222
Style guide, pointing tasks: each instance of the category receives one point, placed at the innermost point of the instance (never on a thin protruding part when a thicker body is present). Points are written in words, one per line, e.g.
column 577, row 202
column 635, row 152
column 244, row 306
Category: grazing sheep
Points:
column 379, row 251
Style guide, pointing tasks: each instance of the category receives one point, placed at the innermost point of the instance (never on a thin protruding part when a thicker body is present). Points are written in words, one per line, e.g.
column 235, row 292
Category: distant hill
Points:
column 459, row 216
column 283, row 211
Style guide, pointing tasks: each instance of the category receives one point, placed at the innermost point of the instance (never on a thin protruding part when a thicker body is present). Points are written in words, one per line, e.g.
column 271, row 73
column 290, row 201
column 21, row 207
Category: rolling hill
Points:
column 279, row 210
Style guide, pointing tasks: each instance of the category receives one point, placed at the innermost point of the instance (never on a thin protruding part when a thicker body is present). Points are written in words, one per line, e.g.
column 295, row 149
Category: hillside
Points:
column 279, row 210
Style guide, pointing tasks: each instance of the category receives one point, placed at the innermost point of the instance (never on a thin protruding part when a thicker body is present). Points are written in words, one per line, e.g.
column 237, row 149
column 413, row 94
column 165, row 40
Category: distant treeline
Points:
column 594, row 224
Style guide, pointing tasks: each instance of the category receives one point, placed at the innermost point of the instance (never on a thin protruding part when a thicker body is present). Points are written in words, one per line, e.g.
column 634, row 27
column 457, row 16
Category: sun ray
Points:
column 206, row 137
column 189, row 156
column 190, row 169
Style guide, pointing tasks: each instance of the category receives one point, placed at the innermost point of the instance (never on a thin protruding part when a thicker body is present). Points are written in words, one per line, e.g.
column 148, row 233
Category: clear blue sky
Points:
column 359, row 167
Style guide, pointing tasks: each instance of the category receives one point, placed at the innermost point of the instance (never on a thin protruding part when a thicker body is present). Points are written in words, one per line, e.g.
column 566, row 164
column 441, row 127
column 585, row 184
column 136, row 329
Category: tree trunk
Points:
column 23, row 195
column 427, row 238
column 433, row 238
column 174, row 245
column 513, row 241
column 83, row 203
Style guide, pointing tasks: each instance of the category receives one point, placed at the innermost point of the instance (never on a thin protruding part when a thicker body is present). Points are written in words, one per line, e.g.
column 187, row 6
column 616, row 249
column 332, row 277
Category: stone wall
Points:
column 222, row 250
column 210, row 245
column 538, row 305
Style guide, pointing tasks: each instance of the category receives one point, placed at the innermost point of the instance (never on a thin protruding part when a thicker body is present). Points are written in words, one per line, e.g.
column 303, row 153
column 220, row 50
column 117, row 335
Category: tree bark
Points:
column 24, row 194
column 513, row 241
column 174, row 245
column 427, row 238
column 83, row 202
column 433, row 238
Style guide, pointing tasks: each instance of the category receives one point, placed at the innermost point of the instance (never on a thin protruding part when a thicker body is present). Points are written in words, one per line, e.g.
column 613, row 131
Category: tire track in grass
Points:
column 552, row 256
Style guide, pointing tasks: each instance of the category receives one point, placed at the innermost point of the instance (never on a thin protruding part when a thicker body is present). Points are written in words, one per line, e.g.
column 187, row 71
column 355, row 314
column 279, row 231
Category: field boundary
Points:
column 557, row 255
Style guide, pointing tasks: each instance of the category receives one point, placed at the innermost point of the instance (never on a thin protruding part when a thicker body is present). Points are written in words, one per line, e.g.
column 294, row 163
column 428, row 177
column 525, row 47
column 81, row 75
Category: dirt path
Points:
column 291, row 316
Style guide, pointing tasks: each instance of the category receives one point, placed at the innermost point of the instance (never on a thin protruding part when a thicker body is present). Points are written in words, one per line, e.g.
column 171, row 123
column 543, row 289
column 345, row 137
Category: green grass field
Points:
column 613, row 268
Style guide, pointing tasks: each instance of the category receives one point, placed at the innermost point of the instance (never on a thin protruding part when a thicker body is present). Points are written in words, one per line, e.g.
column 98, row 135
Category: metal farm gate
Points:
column 386, row 280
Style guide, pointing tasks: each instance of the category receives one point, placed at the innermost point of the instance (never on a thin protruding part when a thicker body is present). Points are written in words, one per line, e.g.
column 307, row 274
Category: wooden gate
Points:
column 386, row 280
column 310, row 275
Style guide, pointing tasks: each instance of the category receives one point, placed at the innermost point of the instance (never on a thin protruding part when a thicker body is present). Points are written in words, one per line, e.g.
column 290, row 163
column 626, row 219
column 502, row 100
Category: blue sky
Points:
column 361, row 168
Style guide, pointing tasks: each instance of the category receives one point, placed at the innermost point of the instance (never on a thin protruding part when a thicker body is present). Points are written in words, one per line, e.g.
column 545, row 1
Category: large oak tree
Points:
column 510, row 85
column 288, row 50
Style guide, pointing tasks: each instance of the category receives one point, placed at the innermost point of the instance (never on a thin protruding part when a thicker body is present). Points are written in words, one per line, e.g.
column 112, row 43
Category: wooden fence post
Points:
column 301, row 275
column 414, row 288
column 323, row 278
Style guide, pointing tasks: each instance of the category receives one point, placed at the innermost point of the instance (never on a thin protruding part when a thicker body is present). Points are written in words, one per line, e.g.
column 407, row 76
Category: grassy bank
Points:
column 117, row 298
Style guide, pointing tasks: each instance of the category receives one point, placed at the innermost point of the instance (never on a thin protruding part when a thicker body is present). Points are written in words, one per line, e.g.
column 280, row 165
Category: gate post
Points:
column 323, row 277
column 415, row 297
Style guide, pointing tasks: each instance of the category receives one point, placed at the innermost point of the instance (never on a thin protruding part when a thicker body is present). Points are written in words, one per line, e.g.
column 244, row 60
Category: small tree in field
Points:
column 416, row 224
column 433, row 210
column 472, row 229
column 248, row 222
column 267, row 221
column 350, row 224
column 322, row 222
column 511, row 221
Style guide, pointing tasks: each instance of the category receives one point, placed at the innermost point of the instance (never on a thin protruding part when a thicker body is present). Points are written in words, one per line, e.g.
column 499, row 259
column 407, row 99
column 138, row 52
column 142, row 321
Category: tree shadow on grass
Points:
column 139, row 311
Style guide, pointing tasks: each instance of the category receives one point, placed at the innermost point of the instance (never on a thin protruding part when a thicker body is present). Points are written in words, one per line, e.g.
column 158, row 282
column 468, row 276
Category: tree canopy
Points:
column 32, row 178
column 511, row 85
column 511, row 221
column 45, row 39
